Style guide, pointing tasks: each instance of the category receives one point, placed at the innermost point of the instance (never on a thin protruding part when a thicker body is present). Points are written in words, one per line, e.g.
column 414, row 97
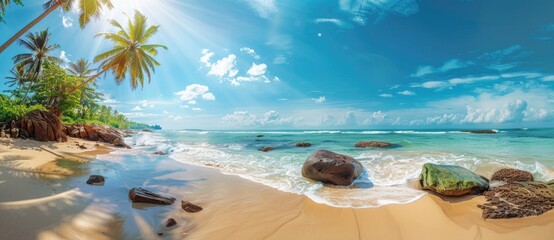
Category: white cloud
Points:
column 106, row 99
column 64, row 58
column 406, row 93
column 468, row 80
column 432, row 84
column 361, row 10
column 264, row 8
column 548, row 78
column 196, row 109
column 257, row 69
column 446, row 66
column 208, row 96
column 240, row 118
column 385, row 95
column 223, row 66
column 146, row 103
column 334, row 21
column 280, row 59
column 194, row 91
column 206, row 55
column 319, row 99
column 521, row 74
column 67, row 22
column 250, row 52
column 136, row 109
column 246, row 119
column 513, row 111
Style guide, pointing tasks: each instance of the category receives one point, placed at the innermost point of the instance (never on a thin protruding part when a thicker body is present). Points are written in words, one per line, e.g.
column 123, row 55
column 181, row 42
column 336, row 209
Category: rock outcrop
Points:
column 145, row 196
column 510, row 175
column 43, row 126
column 480, row 131
column 330, row 167
column 95, row 132
column 365, row 144
column 518, row 199
column 302, row 144
column 451, row 180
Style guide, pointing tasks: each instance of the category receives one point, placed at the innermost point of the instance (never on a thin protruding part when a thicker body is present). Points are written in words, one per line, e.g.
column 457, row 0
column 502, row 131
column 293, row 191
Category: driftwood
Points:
column 145, row 196
column 189, row 207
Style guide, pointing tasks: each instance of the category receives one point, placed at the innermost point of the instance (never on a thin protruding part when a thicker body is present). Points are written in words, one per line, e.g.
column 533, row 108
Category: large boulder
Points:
column 92, row 132
column 510, row 175
column 145, row 196
column 365, row 144
column 43, row 126
column 302, row 144
column 451, row 180
column 518, row 199
column 330, row 167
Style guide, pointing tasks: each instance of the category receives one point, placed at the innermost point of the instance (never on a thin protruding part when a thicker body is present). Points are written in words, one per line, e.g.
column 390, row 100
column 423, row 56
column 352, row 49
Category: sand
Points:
column 45, row 198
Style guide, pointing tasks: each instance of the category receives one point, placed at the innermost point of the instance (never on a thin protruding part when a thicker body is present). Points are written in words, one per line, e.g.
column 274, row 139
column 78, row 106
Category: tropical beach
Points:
column 262, row 119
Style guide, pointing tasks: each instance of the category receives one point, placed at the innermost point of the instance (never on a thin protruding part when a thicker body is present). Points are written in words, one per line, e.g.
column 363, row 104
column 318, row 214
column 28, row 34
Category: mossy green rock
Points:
column 451, row 180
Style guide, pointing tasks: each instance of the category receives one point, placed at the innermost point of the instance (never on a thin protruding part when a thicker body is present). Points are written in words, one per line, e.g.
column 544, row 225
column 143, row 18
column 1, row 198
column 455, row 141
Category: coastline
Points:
column 49, row 200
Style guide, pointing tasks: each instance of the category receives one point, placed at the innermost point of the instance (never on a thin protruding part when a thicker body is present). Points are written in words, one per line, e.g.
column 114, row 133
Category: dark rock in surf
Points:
column 480, row 131
column 260, row 136
column 266, row 149
column 145, row 196
column 159, row 153
column 96, row 180
column 302, row 144
column 378, row 144
column 330, row 167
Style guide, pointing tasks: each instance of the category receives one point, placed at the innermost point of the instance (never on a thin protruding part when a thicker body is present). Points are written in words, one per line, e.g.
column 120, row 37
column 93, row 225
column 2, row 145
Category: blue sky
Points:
column 338, row 64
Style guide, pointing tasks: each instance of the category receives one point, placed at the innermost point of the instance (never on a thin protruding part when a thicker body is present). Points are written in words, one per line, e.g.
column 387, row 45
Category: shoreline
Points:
column 43, row 207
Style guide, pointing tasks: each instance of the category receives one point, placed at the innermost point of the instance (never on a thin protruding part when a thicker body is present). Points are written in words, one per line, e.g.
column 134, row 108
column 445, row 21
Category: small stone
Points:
column 170, row 222
column 159, row 153
column 365, row 144
column 189, row 207
column 82, row 147
column 160, row 233
column 95, row 180
column 266, row 149
column 260, row 136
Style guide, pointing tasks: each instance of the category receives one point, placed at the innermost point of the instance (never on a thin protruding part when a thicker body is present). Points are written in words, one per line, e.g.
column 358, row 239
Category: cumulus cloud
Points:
column 250, row 52
column 63, row 57
column 246, row 119
column 476, row 79
column 407, row 93
column 513, row 111
column 387, row 95
column 196, row 109
column 67, row 22
column 446, row 66
column 227, row 68
column 136, row 109
column 193, row 92
column 223, row 66
column 264, row 8
column 319, row 99
column 548, row 78
column 257, row 69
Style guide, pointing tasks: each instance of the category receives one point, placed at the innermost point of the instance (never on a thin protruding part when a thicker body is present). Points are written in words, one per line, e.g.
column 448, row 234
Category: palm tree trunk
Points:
column 29, row 26
column 27, row 92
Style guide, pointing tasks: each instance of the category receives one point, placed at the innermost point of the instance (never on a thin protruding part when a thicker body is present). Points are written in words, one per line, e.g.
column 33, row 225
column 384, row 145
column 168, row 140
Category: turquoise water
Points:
column 388, row 171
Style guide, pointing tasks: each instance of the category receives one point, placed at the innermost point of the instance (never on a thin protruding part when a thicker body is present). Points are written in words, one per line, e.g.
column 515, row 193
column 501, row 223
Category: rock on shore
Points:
column 42, row 126
column 451, row 180
column 330, row 167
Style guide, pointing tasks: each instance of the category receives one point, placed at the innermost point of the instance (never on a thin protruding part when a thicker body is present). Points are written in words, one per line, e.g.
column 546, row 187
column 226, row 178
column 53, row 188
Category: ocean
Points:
column 388, row 172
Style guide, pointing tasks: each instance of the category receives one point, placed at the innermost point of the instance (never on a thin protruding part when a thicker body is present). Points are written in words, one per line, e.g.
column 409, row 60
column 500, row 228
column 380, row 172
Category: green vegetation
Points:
column 39, row 81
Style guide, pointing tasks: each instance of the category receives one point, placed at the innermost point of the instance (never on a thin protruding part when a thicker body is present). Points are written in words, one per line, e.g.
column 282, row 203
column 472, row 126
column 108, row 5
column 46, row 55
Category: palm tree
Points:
column 131, row 56
column 81, row 69
column 88, row 9
column 31, row 63
column 89, row 95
